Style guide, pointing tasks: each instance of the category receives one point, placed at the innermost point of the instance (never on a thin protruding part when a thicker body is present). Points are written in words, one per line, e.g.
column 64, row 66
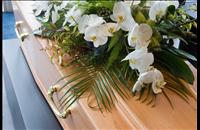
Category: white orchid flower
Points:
column 122, row 15
column 89, row 21
column 158, row 10
column 140, row 36
column 73, row 16
column 140, row 59
column 83, row 24
column 56, row 8
column 144, row 32
column 95, row 20
column 158, row 82
column 109, row 28
column 40, row 6
column 54, row 14
column 153, row 76
column 93, row 34
column 47, row 14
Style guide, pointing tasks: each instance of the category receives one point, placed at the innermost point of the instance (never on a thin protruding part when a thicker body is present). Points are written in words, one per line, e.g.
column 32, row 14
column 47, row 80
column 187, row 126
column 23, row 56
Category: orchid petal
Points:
column 155, row 89
column 100, row 41
column 132, row 36
column 95, row 20
column 122, row 15
column 158, row 9
column 94, row 35
column 108, row 29
column 137, row 86
column 54, row 16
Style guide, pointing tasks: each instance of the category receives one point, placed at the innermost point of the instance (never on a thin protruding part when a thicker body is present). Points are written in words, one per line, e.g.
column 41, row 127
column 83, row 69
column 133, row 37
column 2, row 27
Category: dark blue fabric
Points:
column 9, row 25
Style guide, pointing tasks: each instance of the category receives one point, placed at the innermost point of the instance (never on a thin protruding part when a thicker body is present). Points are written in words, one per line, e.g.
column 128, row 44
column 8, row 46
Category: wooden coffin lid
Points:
column 130, row 114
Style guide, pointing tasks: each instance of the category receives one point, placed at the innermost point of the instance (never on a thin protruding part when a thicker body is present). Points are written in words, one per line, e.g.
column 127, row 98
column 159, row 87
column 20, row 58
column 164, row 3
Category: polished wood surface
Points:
column 130, row 114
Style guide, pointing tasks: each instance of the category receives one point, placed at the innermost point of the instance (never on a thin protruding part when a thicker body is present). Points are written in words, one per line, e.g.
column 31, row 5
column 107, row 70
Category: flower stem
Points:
column 74, row 20
column 125, row 46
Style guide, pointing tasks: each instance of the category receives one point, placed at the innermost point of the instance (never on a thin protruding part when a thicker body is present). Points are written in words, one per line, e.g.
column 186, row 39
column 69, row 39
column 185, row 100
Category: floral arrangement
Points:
column 118, row 47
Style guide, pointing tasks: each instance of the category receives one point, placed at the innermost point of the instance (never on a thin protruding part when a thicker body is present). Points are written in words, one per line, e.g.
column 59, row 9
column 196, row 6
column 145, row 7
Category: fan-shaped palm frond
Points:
column 88, row 79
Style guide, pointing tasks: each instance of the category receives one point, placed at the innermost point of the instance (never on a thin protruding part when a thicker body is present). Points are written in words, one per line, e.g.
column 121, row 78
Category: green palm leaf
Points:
column 85, row 78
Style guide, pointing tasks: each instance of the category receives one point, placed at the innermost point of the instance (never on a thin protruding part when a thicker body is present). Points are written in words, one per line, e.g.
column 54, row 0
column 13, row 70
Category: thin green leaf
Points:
column 104, row 92
column 108, row 91
column 168, row 99
column 148, row 93
column 152, row 98
column 108, row 85
column 178, row 93
column 141, row 93
column 182, row 53
column 99, row 101
column 180, row 90
column 114, row 54
column 72, row 95
column 114, row 85
column 78, row 77
column 73, row 72
column 154, row 101
column 115, row 38
column 82, row 82
column 118, row 75
column 76, row 98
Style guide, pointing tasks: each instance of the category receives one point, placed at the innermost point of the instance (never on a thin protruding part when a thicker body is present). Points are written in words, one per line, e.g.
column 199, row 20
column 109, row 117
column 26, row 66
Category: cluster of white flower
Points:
column 140, row 59
column 96, row 30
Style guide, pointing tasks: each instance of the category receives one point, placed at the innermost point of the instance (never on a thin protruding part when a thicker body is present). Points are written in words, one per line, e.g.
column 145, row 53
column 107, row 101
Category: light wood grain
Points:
column 129, row 114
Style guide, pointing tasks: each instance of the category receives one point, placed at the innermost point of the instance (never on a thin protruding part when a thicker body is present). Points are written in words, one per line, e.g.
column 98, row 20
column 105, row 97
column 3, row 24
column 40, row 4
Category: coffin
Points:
column 129, row 114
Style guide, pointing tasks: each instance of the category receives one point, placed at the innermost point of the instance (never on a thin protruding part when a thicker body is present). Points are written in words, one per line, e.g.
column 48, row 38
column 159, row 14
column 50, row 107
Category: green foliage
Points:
column 155, row 39
column 85, row 78
column 180, row 53
column 60, row 21
column 175, row 65
column 49, row 26
column 166, row 27
column 116, row 48
column 116, row 36
column 177, row 23
column 171, row 9
column 114, row 55
column 93, row 6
